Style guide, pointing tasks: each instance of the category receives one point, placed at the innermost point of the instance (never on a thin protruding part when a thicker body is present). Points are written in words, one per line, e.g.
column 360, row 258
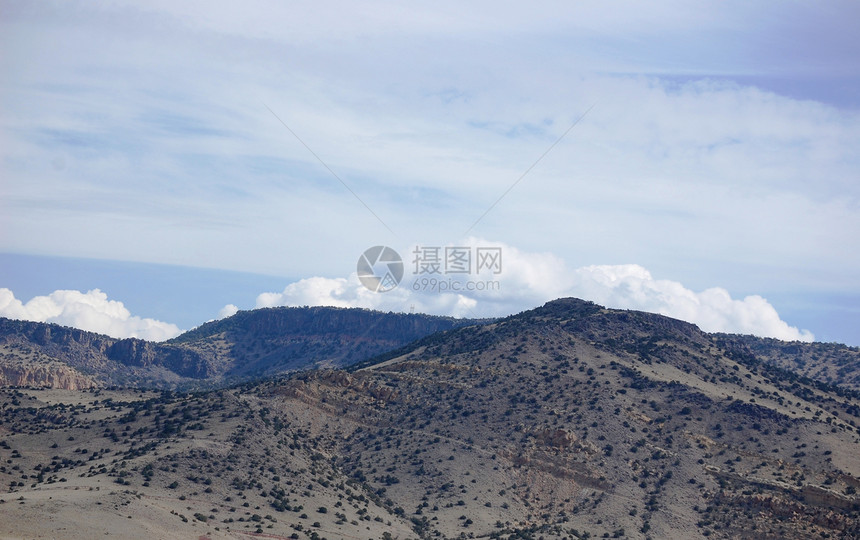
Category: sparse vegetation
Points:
column 566, row 421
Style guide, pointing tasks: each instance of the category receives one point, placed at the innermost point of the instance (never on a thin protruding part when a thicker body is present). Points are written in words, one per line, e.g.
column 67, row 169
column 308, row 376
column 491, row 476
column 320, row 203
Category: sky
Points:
column 163, row 164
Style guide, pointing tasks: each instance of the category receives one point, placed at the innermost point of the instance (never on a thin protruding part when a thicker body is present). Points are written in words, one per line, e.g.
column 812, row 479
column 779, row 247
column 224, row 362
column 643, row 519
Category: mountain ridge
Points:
column 268, row 342
column 247, row 345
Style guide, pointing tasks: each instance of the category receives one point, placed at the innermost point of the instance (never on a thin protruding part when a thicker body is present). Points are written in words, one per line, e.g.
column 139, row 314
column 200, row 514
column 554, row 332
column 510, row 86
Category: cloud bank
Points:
column 91, row 311
column 631, row 286
column 721, row 148
column 529, row 279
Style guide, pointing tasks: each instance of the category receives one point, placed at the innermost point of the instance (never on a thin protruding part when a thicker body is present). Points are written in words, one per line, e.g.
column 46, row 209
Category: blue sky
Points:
column 718, row 154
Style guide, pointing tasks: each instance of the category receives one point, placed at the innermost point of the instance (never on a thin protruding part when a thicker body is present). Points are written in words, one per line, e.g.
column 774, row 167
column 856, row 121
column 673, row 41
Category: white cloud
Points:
column 227, row 311
column 91, row 311
column 631, row 286
column 529, row 279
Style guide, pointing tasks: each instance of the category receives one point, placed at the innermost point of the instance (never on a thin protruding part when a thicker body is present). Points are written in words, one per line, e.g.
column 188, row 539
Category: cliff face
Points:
column 144, row 354
column 52, row 375
column 132, row 352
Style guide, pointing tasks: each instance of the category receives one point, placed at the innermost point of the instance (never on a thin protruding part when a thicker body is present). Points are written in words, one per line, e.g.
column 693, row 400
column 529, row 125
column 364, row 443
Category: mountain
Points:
column 566, row 421
column 250, row 344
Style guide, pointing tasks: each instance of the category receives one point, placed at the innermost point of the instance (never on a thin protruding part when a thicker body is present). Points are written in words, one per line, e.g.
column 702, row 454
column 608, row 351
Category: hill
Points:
column 830, row 363
column 566, row 421
column 250, row 344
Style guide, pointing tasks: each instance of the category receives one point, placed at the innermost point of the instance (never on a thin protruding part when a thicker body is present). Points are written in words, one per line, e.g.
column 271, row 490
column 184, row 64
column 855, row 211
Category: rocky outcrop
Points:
column 54, row 375
column 132, row 352
column 555, row 438
column 795, row 510
column 187, row 362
